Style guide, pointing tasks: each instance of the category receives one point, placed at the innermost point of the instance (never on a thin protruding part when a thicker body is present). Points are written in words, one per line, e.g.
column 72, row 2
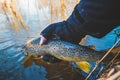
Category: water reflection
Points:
column 11, row 67
column 12, row 56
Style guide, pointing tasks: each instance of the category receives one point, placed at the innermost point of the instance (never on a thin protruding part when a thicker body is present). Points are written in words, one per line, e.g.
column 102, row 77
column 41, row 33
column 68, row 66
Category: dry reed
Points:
column 58, row 11
column 63, row 9
column 9, row 7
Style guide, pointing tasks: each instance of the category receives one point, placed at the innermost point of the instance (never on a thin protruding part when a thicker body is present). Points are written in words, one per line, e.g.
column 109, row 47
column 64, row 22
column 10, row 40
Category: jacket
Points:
column 90, row 17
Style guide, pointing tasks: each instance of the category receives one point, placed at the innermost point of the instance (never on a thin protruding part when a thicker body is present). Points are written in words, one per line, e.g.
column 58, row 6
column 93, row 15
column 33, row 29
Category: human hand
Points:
column 47, row 58
column 43, row 40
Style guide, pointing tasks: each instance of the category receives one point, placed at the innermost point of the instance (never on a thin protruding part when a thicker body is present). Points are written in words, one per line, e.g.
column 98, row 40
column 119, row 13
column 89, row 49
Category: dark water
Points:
column 11, row 55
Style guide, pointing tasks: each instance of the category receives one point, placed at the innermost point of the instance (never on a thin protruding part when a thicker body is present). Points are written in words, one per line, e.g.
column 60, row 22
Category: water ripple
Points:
column 11, row 67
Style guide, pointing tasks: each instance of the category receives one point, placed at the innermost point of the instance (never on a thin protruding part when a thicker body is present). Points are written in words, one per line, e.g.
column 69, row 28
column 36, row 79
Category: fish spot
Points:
column 73, row 49
column 68, row 53
column 68, row 49
column 59, row 43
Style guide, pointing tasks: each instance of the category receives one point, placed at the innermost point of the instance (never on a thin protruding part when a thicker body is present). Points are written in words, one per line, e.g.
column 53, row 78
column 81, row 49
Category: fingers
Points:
column 43, row 40
column 47, row 58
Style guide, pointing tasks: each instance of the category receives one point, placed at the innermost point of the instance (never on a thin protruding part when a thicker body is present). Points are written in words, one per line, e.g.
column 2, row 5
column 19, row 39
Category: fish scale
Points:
column 64, row 50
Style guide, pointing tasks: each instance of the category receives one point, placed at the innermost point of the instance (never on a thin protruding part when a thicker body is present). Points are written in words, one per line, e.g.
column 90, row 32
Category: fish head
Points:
column 32, row 47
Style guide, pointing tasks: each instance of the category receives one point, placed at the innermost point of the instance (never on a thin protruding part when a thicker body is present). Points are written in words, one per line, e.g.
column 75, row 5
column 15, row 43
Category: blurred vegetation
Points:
column 17, row 12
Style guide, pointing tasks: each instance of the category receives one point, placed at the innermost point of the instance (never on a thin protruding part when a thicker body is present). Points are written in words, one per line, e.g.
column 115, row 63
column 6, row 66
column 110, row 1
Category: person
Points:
column 95, row 18
column 89, row 17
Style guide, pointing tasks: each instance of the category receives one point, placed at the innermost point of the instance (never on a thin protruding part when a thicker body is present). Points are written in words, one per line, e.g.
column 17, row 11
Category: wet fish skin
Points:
column 62, row 50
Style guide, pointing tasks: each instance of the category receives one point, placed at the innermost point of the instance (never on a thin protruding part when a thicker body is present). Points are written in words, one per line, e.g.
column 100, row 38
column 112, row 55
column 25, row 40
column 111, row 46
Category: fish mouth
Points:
column 24, row 50
column 25, row 53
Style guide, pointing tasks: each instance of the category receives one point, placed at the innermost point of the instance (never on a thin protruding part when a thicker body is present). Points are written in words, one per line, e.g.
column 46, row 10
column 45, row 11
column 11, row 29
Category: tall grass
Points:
column 63, row 9
column 58, row 10
column 9, row 7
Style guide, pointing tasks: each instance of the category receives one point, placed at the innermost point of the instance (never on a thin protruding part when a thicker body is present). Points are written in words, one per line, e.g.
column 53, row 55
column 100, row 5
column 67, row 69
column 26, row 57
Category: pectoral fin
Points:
column 28, row 61
column 85, row 66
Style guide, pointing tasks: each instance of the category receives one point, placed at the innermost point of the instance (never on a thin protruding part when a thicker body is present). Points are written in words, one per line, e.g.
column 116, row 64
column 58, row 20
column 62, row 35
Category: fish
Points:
column 67, row 51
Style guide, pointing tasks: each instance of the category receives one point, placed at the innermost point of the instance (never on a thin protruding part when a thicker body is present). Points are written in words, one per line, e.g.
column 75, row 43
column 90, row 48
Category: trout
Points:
column 66, row 51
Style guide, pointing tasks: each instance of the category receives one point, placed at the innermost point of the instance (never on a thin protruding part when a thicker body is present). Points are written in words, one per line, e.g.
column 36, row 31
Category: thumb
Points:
column 43, row 40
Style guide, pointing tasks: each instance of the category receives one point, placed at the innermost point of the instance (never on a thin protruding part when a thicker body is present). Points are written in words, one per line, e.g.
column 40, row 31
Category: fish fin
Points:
column 28, row 61
column 84, row 65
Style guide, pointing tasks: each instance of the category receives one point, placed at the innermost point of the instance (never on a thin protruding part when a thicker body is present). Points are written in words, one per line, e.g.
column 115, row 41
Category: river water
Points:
column 11, row 55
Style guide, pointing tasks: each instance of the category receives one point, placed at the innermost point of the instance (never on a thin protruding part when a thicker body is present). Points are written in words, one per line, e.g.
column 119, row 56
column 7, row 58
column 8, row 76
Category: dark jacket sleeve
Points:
column 100, row 16
column 65, row 30
column 95, row 18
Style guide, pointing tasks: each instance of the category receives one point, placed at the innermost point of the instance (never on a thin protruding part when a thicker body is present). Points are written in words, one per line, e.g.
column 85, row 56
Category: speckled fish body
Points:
column 62, row 50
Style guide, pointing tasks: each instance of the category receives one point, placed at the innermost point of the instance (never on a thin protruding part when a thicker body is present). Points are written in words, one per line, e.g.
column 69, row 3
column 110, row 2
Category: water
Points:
column 11, row 67
column 11, row 55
